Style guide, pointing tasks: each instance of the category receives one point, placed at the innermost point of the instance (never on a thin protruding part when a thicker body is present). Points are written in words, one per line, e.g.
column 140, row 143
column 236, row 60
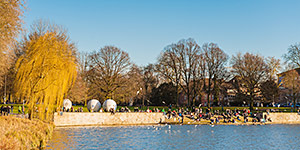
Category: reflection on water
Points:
column 177, row 137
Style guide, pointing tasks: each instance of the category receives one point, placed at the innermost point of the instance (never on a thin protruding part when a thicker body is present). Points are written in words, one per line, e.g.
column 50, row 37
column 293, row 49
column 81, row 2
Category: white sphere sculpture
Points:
column 67, row 104
column 93, row 105
column 108, row 104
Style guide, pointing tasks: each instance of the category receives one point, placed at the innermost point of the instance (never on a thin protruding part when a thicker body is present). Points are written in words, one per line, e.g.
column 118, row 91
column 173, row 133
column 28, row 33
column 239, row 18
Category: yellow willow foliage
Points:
column 45, row 73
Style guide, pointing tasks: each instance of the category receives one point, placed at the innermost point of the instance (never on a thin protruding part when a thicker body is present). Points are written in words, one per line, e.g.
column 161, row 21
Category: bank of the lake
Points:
column 143, row 118
column 19, row 133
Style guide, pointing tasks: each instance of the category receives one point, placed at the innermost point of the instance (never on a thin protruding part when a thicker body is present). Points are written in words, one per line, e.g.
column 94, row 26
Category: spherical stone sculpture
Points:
column 67, row 104
column 93, row 105
column 109, row 104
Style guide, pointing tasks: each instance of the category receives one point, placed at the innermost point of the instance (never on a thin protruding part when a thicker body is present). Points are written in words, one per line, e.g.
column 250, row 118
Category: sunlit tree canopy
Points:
column 45, row 71
column 11, row 12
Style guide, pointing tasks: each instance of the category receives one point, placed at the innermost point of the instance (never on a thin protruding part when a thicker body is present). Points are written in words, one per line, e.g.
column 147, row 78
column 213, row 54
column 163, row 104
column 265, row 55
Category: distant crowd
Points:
column 196, row 114
column 215, row 117
column 80, row 109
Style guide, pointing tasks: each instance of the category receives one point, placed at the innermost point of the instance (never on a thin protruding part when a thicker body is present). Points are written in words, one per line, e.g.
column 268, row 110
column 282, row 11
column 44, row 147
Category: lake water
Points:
column 178, row 137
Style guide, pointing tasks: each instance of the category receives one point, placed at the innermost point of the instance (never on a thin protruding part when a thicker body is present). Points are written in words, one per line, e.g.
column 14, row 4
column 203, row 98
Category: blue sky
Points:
column 143, row 28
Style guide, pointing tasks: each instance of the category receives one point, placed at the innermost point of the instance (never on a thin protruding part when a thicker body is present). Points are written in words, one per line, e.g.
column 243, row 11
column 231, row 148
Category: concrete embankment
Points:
column 96, row 118
column 284, row 118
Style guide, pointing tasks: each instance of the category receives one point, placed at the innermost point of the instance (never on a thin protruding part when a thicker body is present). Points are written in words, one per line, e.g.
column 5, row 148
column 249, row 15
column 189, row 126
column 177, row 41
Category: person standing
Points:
column 163, row 111
column 20, row 110
column 11, row 109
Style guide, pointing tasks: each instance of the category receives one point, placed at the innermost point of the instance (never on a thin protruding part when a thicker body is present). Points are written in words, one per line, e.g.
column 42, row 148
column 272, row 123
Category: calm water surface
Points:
column 178, row 137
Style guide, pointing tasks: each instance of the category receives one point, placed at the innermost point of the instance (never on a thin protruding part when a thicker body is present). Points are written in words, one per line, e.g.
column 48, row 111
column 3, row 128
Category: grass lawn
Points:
column 280, row 109
column 15, row 107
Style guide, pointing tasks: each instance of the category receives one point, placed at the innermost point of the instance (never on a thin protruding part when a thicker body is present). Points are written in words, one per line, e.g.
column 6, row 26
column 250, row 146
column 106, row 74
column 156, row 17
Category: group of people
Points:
column 124, row 109
column 80, row 109
column 228, row 116
column 198, row 114
column 5, row 110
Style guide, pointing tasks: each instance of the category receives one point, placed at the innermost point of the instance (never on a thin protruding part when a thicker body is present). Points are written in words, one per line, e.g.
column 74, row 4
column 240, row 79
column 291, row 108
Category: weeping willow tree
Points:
column 46, row 70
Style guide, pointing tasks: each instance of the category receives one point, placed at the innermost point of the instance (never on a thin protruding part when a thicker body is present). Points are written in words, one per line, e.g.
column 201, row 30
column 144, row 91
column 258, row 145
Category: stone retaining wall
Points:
column 285, row 118
column 87, row 118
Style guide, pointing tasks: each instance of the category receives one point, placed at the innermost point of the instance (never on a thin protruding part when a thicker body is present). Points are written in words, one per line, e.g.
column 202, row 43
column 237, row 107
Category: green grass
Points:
column 16, row 107
column 280, row 109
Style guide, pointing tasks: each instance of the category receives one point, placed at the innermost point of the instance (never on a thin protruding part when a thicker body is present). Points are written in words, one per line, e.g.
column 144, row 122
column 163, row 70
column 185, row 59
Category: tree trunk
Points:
column 208, row 92
column 294, row 103
column 177, row 96
column 31, row 114
column 251, row 101
column 188, row 97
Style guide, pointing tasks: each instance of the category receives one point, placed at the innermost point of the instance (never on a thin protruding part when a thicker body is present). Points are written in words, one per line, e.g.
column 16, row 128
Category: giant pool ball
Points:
column 67, row 104
column 93, row 105
column 108, row 104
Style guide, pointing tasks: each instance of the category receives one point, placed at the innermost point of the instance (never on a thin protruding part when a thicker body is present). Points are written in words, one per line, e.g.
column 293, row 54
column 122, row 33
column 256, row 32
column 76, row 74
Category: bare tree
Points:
column 291, row 84
column 134, row 81
column 252, row 71
column 215, row 65
column 168, row 67
column 198, row 80
column 274, row 66
column 220, row 86
column 269, row 88
column 293, row 55
column 78, row 93
column 180, row 63
column 107, row 70
column 150, row 80
column 11, row 13
column 189, row 52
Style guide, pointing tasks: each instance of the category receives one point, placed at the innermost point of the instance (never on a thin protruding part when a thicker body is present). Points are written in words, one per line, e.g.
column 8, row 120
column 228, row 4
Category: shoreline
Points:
column 70, row 119
column 172, row 123
column 162, row 124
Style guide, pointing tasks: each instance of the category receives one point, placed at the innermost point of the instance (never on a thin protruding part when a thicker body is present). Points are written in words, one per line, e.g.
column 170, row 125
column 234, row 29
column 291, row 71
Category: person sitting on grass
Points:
column 169, row 114
column 182, row 116
column 238, row 118
column 127, row 109
column 254, row 120
column 233, row 121
column 263, row 120
column 217, row 120
column 245, row 119
column 179, row 115
column 111, row 110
